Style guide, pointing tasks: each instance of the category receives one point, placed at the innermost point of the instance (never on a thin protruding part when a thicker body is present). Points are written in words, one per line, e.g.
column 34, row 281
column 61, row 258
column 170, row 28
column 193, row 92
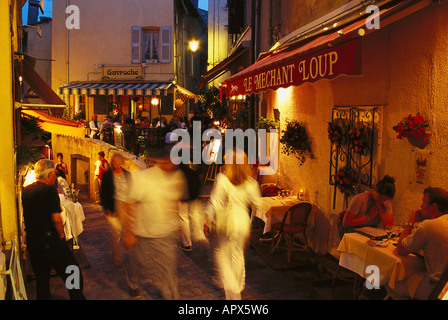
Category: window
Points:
column 151, row 44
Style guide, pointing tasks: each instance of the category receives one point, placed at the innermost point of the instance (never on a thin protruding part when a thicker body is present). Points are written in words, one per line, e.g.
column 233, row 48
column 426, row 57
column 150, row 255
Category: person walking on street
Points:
column 156, row 224
column 45, row 233
column 114, row 195
column 233, row 193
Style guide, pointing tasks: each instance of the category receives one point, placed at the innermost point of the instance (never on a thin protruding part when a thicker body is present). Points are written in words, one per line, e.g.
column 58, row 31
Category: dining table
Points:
column 72, row 217
column 362, row 255
column 272, row 209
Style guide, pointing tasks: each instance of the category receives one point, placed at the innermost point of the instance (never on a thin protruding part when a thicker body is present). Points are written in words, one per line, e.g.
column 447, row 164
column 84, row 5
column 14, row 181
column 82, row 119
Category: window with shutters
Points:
column 151, row 44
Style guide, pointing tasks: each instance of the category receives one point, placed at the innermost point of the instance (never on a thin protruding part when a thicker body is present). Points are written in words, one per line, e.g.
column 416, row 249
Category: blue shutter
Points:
column 136, row 44
column 165, row 44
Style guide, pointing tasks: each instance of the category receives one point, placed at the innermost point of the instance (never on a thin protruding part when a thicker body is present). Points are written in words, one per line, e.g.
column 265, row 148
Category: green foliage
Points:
column 295, row 141
column 210, row 103
column 26, row 153
column 266, row 123
column 240, row 118
column 80, row 115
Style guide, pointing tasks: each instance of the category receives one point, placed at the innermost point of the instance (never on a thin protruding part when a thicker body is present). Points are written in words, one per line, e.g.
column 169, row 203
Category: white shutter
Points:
column 136, row 41
column 165, row 44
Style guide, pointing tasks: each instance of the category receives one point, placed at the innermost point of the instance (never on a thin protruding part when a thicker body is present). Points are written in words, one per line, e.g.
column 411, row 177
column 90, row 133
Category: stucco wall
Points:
column 89, row 148
column 104, row 37
column 405, row 71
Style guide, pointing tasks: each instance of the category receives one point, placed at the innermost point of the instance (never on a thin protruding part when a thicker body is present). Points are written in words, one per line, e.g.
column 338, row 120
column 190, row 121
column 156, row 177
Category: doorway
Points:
column 80, row 173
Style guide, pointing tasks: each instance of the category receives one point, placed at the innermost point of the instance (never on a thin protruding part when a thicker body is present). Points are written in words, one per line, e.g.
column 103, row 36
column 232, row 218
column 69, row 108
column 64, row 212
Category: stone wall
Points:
column 81, row 154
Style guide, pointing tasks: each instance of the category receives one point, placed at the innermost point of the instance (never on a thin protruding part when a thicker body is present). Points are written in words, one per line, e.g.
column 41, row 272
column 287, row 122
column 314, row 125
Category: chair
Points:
column 440, row 287
column 294, row 222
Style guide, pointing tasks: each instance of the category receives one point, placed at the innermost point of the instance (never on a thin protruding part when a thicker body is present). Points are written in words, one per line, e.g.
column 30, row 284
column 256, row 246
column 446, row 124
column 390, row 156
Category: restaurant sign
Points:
column 128, row 72
column 282, row 73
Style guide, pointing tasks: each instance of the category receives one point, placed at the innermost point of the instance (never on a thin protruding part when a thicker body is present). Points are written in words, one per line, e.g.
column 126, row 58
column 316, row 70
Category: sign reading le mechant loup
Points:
column 122, row 73
column 326, row 64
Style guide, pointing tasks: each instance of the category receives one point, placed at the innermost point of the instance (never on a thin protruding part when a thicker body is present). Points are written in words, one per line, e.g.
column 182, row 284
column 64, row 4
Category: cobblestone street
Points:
column 103, row 280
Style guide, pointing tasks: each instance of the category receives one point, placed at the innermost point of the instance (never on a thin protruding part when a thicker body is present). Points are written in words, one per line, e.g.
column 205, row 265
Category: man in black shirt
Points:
column 45, row 234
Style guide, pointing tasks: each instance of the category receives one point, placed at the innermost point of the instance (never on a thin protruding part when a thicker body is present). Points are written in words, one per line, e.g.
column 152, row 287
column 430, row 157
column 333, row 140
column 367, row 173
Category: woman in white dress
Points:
column 233, row 193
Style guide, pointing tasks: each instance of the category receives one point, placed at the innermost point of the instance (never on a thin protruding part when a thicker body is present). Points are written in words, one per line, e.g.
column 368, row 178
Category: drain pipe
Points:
column 68, row 47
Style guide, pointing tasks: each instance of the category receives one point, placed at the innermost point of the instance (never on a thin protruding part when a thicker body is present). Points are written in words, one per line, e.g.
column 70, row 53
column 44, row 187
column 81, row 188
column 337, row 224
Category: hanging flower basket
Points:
column 420, row 141
column 295, row 141
column 345, row 181
column 336, row 132
column 358, row 139
column 415, row 129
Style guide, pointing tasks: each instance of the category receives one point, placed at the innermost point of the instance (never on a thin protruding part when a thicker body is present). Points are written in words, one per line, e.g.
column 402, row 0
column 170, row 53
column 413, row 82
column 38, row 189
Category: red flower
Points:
column 415, row 126
column 419, row 120
column 421, row 131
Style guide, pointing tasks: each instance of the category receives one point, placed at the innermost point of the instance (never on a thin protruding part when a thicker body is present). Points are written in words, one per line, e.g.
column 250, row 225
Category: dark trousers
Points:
column 47, row 252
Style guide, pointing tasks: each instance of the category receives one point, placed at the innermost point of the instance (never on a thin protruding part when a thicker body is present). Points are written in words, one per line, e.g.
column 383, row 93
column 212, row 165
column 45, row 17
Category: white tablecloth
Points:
column 72, row 217
column 357, row 255
column 272, row 210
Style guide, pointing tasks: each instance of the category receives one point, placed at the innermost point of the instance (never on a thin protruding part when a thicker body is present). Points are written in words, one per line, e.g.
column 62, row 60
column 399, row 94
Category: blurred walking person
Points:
column 115, row 199
column 190, row 213
column 45, row 233
column 234, row 191
column 156, row 192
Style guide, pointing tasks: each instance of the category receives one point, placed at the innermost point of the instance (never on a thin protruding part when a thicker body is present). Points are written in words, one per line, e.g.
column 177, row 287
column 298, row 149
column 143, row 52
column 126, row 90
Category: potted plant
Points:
column 295, row 141
column 415, row 129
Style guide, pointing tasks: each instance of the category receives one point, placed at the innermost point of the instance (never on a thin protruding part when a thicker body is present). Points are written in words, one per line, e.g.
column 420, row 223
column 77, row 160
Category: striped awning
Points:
column 118, row 88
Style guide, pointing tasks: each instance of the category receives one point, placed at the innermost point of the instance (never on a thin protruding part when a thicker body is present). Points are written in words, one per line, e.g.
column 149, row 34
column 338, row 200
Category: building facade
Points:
column 395, row 68
column 121, row 55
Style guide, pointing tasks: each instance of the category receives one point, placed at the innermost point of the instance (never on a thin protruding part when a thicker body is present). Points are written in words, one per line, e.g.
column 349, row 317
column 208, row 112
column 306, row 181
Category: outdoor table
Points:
column 272, row 209
column 72, row 217
column 357, row 255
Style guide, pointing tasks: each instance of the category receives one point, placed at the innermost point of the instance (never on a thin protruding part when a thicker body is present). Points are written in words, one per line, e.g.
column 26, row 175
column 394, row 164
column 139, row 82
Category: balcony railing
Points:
column 134, row 139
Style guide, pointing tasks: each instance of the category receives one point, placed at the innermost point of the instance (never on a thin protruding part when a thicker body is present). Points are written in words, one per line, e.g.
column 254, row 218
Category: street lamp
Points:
column 194, row 45
column 155, row 102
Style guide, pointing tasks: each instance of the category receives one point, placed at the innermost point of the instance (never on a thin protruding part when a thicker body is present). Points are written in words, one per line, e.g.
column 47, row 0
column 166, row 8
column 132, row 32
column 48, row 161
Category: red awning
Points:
column 326, row 57
column 38, row 85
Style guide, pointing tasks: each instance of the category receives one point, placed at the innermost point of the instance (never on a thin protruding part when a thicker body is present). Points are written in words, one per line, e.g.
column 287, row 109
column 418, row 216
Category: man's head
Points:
column 434, row 202
column 94, row 117
column 101, row 155
column 45, row 172
column 163, row 160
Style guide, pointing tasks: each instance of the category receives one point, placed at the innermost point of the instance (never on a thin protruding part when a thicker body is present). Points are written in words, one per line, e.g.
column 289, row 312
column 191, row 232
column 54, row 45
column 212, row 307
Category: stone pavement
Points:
column 103, row 280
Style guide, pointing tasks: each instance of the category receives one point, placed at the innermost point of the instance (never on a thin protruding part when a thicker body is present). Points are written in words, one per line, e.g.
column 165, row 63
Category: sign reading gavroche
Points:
column 279, row 72
column 123, row 73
